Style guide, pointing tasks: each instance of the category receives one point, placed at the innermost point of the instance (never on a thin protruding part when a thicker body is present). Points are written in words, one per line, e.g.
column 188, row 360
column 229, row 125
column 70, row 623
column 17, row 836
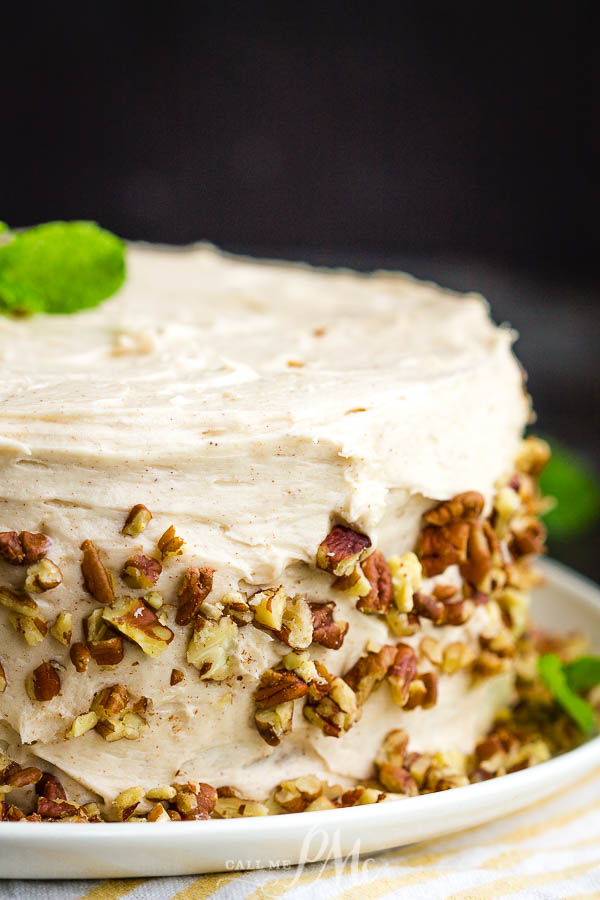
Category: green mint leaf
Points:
column 576, row 490
column 583, row 673
column 59, row 267
column 553, row 675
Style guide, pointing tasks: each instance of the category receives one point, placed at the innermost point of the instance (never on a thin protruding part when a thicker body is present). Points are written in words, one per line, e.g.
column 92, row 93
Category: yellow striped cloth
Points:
column 550, row 850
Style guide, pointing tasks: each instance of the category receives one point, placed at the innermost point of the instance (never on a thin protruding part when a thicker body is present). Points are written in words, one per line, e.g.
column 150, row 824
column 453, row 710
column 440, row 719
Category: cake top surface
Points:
column 200, row 344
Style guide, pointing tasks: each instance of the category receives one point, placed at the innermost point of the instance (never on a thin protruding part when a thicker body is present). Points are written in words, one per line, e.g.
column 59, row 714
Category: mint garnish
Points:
column 58, row 267
column 574, row 486
column 564, row 679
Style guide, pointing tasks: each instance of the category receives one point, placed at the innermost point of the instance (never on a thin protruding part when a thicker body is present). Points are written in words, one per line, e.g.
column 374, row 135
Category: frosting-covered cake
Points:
column 254, row 518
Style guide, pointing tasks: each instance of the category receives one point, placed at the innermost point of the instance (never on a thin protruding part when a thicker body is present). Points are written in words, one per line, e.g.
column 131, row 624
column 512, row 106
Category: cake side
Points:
column 278, row 404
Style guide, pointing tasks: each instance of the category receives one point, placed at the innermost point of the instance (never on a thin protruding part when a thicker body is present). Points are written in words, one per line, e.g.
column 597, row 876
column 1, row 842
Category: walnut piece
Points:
column 195, row 587
column 342, row 550
column 377, row 573
column 137, row 520
column 96, row 579
column 212, row 647
column 139, row 623
column 141, row 571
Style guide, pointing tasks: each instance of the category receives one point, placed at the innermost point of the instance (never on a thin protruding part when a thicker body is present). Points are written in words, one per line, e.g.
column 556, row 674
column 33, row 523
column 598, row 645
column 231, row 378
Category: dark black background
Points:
column 459, row 141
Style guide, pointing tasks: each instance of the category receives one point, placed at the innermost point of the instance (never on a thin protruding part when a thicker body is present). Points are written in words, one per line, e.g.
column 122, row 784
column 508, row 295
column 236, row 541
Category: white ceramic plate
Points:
column 52, row 850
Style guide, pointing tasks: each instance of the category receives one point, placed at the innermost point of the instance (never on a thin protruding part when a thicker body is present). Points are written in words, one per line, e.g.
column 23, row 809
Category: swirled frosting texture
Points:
column 247, row 404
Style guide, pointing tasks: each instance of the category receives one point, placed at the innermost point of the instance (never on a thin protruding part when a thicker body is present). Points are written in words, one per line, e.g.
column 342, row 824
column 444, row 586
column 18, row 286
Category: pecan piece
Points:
column 378, row 574
column 20, row 603
column 177, row 677
column 336, row 712
column 326, row 631
column 533, row 455
column 195, row 801
column 402, row 673
column 96, row 579
column 466, row 506
column 43, row 575
column 406, row 572
column 297, row 624
column 212, row 647
column 44, row 682
column 441, row 546
column 33, row 630
column 527, row 537
column 368, row 672
column 277, row 687
column 481, row 546
column 108, row 652
column 422, row 691
column 342, row 550
column 140, row 624
column 194, row 589
column 274, row 723
column 141, row 571
column 269, row 607
column 23, row 548
column 80, row 656
column 57, row 809
column 169, row 544
column 429, row 607
column 50, row 787
column 137, row 520
column 397, row 779
column 298, row 793
column 62, row 629
column 3, row 681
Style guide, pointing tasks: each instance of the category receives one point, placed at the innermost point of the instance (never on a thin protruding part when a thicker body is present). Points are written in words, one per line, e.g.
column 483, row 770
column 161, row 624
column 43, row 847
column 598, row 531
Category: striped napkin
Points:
column 551, row 850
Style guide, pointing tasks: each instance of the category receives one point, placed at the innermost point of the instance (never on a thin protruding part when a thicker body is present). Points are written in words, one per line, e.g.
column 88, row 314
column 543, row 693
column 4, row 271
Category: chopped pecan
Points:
column 95, row 626
column 342, row 550
column 33, row 630
column 457, row 656
column 3, row 681
column 402, row 673
column 326, row 631
column 57, row 809
column 406, row 572
column 44, row 682
column 195, row 801
column 141, row 571
column 533, row 456
column 269, row 607
column 377, row 572
column 431, row 649
column 126, row 803
column 368, row 672
column 43, row 575
column 115, row 719
column 108, row 652
column 481, row 547
column 82, row 724
column 298, row 793
column 422, row 691
column 212, row 647
column 50, row 787
column 277, row 687
column 354, row 585
column 137, row 520
column 337, row 711
column 274, row 723
column 238, row 807
column 111, row 701
column 169, row 544
column 13, row 776
column 158, row 814
column 140, row 624
column 62, row 629
column 459, row 611
column 297, row 624
column 19, row 603
column 429, row 607
column 466, row 507
column 397, row 779
column 361, row 795
column 312, row 673
column 177, row 677
column 235, row 606
column 96, row 579
column 23, row 548
column 154, row 599
column 194, row 589
column 527, row 536
column 444, row 592
column 80, row 656
column 402, row 624
column 393, row 749
column 441, row 546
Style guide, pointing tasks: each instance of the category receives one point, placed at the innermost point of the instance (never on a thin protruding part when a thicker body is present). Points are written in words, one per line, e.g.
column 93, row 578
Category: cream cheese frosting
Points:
column 251, row 405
